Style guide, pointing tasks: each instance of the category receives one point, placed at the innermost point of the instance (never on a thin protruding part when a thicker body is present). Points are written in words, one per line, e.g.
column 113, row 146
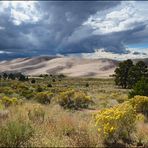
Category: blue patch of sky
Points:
column 139, row 47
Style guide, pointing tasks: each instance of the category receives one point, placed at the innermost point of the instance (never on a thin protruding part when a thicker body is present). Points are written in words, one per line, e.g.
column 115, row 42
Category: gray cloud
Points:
column 59, row 29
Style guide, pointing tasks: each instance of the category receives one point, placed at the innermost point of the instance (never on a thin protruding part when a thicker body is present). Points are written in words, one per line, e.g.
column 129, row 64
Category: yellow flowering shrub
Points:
column 140, row 103
column 116, row 123
column 6, row 90
column 74, row 99
column 7, row 101
column 43, row 97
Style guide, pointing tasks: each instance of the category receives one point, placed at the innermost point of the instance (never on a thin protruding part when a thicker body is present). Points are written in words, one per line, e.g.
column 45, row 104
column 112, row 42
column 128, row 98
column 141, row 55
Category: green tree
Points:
column 140, row 88
column 121, row 73
column 22, row 77
column 142, row 67
column 5, row 76
column 136, row 72
column 11, row 76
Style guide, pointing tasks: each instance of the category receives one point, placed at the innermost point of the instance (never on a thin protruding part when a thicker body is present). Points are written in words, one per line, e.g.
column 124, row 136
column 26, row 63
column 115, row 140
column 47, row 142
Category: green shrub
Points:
column 116, row 123
column 33, row 81
column 23, row 90
column 74, row 99
column 39, row 89
column 53, row 80
column 43, row 97
column 7, row 101
column 49, row 85
column 61, row 76
column 6, row 90
column 87, row 85
column 15, row 134
column 140, row 103
column 28, row 94
column 141, row 88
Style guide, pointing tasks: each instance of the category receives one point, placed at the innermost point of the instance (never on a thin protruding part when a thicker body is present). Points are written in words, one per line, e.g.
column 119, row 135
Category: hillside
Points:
column 70, row 66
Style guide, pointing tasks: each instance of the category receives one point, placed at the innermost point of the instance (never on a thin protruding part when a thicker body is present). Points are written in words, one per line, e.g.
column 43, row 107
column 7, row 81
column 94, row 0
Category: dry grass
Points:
column 57, row 127
column 142, row 134
column 60, row 128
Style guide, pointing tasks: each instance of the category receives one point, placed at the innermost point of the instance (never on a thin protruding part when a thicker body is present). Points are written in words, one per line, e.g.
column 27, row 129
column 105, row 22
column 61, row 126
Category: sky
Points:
column 92, row 29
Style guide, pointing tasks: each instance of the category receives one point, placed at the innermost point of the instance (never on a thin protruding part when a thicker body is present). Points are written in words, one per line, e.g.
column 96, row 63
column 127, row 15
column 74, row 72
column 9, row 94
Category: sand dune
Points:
column 70, row 66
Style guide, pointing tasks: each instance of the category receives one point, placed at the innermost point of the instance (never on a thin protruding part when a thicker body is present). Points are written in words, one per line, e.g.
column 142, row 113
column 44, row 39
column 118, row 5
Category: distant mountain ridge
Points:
column 70, row 66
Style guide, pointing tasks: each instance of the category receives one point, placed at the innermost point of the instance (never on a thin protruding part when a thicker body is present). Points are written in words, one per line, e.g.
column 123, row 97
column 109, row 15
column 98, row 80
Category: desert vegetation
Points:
column 59, row 111
column 127, row 74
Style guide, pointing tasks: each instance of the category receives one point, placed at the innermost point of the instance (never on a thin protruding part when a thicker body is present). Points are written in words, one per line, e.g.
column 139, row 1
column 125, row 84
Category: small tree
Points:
column 133, row 76
column 11, row 76
column 22, row 78
column 142, row 67
column 127, row 74
column 121, row 73
column 5, row 76
column 136, row 72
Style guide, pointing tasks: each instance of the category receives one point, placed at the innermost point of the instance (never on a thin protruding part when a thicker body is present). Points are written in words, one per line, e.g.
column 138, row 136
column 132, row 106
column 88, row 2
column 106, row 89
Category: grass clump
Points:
column 37, row 114
column 15, row 134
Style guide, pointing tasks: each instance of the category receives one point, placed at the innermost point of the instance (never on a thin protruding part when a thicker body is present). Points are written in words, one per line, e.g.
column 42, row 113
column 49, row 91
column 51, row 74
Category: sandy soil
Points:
column 70, row 66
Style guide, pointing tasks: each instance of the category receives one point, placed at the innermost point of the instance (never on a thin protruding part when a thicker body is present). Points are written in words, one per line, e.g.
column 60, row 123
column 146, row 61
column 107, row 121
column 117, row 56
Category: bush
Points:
column 140, row 103
column 39, row 89
column 87, row 85
column 117, row 123
column 141, row 88
column 6, row 90
column 43, row 97
column 74, row 99
column 24, row 90
column 15, row 134
column 33, row 81
column 28, row 94
column 6, row 101
column 49, row 85
column 61, row 76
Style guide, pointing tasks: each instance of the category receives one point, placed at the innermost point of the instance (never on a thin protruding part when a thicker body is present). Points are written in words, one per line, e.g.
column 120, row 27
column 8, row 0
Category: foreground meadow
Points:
column 57, row 111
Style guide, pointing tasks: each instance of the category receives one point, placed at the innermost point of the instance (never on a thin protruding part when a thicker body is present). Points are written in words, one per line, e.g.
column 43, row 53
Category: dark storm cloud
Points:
column 60, row 30
column 59, row 21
